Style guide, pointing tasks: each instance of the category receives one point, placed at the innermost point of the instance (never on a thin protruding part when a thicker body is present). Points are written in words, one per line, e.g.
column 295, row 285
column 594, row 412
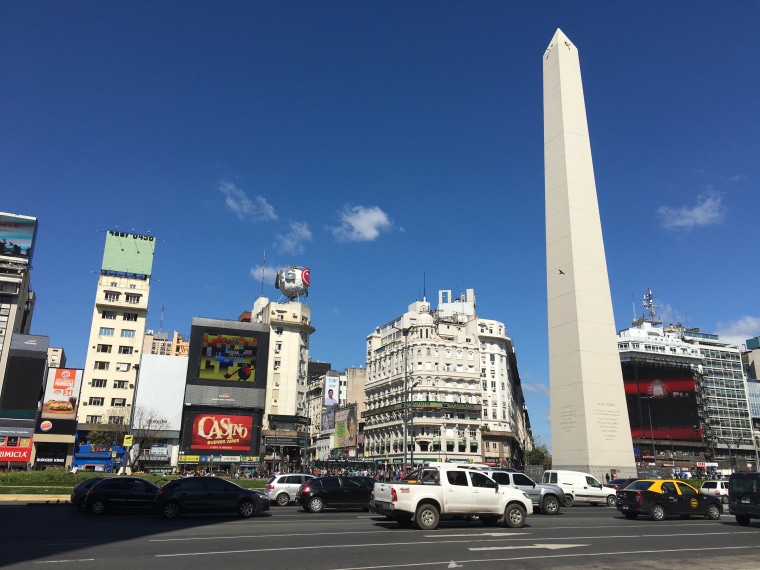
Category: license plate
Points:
column 745, row 499
column 624, row 507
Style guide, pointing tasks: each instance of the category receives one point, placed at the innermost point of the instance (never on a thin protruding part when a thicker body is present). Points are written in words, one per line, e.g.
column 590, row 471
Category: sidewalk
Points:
column 35, row 499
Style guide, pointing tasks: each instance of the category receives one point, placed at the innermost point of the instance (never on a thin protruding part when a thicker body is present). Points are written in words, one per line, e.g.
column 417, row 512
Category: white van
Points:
column 581, row 487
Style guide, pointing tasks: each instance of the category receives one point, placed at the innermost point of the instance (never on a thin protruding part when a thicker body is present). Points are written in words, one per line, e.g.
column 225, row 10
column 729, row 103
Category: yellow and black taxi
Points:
column 659, row 498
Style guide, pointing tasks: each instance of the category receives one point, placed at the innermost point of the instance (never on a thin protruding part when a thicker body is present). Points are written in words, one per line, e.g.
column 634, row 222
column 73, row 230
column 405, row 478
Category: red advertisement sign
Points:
column 14, row 448
column 222, row 431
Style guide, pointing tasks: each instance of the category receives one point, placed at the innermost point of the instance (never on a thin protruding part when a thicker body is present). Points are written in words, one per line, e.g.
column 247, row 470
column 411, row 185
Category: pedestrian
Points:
column 607, row 476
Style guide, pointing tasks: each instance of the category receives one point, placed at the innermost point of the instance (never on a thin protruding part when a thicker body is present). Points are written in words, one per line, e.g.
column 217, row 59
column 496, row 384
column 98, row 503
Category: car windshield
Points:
column 639, row 486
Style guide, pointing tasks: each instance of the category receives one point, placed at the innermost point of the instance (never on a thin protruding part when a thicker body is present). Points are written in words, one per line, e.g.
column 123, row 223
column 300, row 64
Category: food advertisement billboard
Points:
column 61, row 399
column 17, row 235
column 661, row 400
column 128, row 253
column 345, row 427
column 331, row 391
column 222, row 432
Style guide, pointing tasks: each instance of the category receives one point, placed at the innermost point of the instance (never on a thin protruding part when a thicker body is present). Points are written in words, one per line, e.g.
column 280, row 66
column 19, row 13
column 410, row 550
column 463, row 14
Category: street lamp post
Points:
column 651, row 433
column 405, row 417
column 411, row 420
column 672, row 453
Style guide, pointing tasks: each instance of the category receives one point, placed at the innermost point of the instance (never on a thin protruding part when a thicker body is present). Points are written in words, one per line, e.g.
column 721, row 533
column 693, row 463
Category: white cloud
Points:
column 360, row 223
column 709, row 210
column 258, row 209
column 737, row 332
column 738, row 178
column 530, row 384
column 548, row 416
column 293, row 241
column 269, row 273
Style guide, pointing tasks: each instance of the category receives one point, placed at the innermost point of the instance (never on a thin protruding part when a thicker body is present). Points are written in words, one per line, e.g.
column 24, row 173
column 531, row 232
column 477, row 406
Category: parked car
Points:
column 282, row 489
column 661, row 497
column 208, row 495
column 546, row 497
column 368, row 481
column 618, row 484
column 80, row 491
column 120, row 493
column 580, row 487
column 744, row 497
column 717, row 489
column 334, row 492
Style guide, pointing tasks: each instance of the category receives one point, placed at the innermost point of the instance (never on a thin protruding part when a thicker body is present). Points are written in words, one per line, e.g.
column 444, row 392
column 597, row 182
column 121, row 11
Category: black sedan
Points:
column 334, row 492
column 619, row 484
column 661, row 497
column 120, row 493
column 79, row 493
column 208, row 495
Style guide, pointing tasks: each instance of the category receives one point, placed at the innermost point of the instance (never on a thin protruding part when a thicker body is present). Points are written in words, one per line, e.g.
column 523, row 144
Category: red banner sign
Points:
column 15, row 449
column 221, row 431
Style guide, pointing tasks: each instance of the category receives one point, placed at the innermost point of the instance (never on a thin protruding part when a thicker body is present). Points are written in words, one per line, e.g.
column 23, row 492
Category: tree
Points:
column 148, row 428
column 540, row 454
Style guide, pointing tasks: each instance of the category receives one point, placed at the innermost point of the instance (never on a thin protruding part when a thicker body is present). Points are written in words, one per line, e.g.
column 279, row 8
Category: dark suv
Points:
column 744, row 497
column 208, row 495
column 334, row 492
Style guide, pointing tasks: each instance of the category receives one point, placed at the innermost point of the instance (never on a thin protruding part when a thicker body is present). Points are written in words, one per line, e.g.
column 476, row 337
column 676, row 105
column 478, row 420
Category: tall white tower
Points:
column 590, row 428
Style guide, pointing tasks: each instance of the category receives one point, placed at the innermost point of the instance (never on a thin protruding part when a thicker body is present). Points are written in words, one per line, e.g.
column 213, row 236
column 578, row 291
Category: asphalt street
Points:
column 57, row 535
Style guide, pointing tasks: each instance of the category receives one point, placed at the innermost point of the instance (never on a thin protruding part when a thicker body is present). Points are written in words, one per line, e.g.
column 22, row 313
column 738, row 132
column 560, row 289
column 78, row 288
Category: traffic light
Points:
column 696, row 430
column 733, row 461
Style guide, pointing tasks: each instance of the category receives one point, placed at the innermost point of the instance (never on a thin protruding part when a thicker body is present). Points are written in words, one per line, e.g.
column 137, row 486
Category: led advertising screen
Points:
column 228, row 357
column 661, row 398
column 222, row 432
column 345, row 427
column 128, row 253
column 331, row 391
column 17, row 235
column 327, row 424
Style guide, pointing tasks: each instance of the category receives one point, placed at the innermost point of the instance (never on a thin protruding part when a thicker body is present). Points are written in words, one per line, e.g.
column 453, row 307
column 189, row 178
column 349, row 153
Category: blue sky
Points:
column 374, row 142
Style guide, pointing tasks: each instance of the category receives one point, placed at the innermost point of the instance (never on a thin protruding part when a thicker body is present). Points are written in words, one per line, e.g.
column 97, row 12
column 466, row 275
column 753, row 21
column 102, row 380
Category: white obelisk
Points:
column 590, row 428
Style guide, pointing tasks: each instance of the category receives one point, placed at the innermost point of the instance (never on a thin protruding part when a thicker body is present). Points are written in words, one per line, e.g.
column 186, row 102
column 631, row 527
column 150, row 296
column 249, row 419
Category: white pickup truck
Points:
column 425, row 495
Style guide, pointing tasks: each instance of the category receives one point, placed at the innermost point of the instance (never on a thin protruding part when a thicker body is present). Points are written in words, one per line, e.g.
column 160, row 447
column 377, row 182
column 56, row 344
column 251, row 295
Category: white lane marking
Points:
column 476, row 534
column 381, row 531
column 548, row 546
column 62, row 561
column 535, row 557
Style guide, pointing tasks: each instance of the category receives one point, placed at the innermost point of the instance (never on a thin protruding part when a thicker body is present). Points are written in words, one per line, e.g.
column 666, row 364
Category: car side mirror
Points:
column 497, row 487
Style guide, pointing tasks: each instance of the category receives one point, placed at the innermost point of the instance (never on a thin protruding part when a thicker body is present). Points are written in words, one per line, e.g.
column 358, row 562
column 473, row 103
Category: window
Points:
column 118, row 402
column 278, row 330
column 110, row 315
column 132, row 286
column 125, row 350
column 127, row 333
column 99, row 383
column 480, row 480
column 112, row 297
column 93, row 419
column 133, row 299
column 120, row 384
column 100, row 365
column 116, row 420
column 105, row 331
column 448, row 353
column 104, row 348
column 459, row 355
column 521, row 479
column 96, row 401
column 130, row 317
column 114, row 284
column 276, row 364
column 123, row 367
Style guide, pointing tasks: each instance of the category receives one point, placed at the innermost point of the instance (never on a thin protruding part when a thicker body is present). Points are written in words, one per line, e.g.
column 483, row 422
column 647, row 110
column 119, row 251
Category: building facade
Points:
column 453, row 377
column 165, row 343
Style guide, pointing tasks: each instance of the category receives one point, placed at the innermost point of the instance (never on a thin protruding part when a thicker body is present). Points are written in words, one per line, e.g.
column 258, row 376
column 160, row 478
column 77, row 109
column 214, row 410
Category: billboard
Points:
column 331, row 391
column 15, row 448
column 227, row 363
column 345, row 427
column 17, row 235
column 61, row 399
column 327, row 424
column 221, row 432
column 128, row 253
column 24, row 376
column 661, row 398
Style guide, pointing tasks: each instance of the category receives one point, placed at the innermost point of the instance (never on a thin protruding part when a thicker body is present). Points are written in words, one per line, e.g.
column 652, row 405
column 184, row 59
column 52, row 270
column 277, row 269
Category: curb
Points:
column 41, row 499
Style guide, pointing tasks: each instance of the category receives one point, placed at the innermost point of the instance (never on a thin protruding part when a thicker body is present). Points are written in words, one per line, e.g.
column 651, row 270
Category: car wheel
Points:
column 568, row 502
column 611, row 500
column 316, row 505
column 631, row 516
column 98, row 507
column 489, row 520
column 713, row 512
column 246, row 508
column 514, row 516
column 283, row 499
column 170, row 510
column 724, row 499
column 551, row 505
column 743, row 521
column 427, row 517
column 657, row 513
column 80, row 505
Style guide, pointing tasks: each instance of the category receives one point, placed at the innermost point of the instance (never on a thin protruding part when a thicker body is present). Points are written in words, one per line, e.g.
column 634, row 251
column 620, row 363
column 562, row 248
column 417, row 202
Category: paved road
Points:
column 588, row 537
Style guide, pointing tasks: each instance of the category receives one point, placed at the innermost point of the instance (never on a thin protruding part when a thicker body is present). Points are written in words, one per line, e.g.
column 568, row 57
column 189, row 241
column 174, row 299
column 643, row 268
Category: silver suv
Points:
column 282, row 488
column 548, row 498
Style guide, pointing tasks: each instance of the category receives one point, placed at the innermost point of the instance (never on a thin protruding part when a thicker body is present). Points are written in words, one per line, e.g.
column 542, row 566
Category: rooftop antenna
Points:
column 633, row 301
column 263, row 268
column 161, row 324
column 649, row 304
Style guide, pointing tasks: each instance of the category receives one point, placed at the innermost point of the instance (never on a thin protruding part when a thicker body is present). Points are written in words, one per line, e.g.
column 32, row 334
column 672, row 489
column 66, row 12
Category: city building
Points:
column 160, row 343
column 452, row 378
column 56, row 357
column 17, row 237
column 117, row 332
